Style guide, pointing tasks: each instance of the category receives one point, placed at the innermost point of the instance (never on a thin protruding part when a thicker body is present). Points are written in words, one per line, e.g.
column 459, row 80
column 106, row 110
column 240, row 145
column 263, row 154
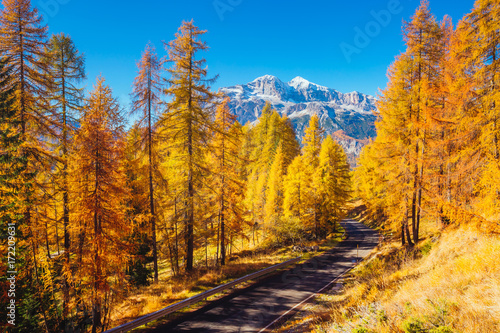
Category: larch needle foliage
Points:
column 310, row 198
column 22, row 42
column 287, row 188
column 188, row 121
column 12, row 166
column 66, row 69
column 228, row 184
column 11, row 163
column 147, row 93
column 333, row 181
column 23, row 39
column 33, row 123
column 98, row 212
column 99, row 207
column 436, row 154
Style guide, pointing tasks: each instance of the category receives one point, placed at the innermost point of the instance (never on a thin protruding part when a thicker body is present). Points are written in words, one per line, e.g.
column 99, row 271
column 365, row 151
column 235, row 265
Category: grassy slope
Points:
column 450, row 282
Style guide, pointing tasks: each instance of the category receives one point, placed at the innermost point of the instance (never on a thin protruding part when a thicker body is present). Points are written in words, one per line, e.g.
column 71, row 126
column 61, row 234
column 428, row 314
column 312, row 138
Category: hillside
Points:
column 448, row 283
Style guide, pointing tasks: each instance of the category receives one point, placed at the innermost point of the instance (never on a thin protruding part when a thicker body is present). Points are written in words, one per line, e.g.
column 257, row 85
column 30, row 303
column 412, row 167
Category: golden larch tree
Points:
column 98, row 196
column 275, row 189
column 66, row 69
column 313, row 137
column 147, row 92
column 333, row 182
column 189, row 119
column 228, row 185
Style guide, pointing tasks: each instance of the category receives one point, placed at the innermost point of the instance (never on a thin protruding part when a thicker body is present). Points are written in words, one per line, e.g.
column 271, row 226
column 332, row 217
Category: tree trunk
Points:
column 57, row 228
column 419, row 203
column 190, row 216
column 221, row 211
column 176, row 249
column 414, row 194
column 151, row 193
column 47, row 238
column 222, row 238
column 406, row 229
column 190, row 185
column 403, row 232
column 96, row 301
column 67, row 242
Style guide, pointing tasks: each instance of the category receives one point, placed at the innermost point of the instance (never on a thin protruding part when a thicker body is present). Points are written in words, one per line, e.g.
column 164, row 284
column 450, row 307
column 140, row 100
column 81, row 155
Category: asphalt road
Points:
column 255, row 307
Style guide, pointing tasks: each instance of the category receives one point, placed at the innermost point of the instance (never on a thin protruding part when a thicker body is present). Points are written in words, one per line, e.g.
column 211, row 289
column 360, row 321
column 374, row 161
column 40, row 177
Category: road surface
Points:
column 252, row 309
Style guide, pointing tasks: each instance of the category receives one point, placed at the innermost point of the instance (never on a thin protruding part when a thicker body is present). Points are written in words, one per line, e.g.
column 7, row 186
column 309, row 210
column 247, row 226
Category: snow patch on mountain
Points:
column 351, row 113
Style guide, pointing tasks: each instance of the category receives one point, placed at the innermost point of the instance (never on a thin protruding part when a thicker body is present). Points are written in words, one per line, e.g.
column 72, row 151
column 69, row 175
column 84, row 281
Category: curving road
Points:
column 254, row 308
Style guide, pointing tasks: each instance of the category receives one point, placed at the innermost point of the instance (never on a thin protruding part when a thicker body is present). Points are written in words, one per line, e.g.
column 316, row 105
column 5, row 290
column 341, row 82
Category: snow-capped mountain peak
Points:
column 268, row 85
column 299, row 83
column 267, row 77
column 299, row 99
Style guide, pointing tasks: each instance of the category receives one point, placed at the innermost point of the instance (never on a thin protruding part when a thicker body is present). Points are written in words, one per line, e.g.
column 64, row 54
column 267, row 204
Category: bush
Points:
column 138, row 273
column 413, row 325
column 426, row 248
column 441, row 329
column 285, row 231
column 382, row 316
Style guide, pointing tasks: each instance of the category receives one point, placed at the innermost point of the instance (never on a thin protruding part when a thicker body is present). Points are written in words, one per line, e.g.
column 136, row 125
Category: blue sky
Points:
column 314, row 39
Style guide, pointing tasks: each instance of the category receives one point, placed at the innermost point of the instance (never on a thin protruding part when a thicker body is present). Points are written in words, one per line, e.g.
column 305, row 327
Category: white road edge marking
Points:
column 305, row 300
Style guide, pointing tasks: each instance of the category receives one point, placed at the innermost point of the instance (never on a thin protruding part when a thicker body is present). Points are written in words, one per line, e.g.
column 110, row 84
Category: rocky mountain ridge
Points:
column 348, row 117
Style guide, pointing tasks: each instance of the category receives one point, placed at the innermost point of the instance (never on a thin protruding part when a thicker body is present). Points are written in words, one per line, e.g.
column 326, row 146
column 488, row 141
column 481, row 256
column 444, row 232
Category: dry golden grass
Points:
column 449, row 283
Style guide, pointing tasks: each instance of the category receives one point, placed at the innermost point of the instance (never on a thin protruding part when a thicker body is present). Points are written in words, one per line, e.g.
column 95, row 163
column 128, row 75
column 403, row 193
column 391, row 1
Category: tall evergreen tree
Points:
column 137, row 184
column 483, row 43
column 313, row 137
column 275, row 188
column 23, row 39
column 66, row 69
column 294, row 187
column 189, row 119
column 411, row 113
column 228, row 186
column 11, row 163
column 424, row 40
column 12, row 169
column 393, row 146
column 146, row 99
column 332, row 180
column 98, row 191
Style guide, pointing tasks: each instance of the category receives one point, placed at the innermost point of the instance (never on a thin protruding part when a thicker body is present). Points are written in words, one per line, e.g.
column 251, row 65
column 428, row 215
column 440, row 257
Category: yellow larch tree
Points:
column 294, row 187
column 23, row 38
column 188, row 121
column 228, row 184
column 313, row 137
column 275, row 190
column 393, row 145
column 333, row 182
column 147, row 92
column 483, row 28
column 424, row 41
column 98, row 197
column 66, row 68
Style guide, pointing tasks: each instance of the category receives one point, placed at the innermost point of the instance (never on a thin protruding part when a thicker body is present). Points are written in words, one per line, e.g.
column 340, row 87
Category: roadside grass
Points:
column 449, row 282
column 171, row 289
